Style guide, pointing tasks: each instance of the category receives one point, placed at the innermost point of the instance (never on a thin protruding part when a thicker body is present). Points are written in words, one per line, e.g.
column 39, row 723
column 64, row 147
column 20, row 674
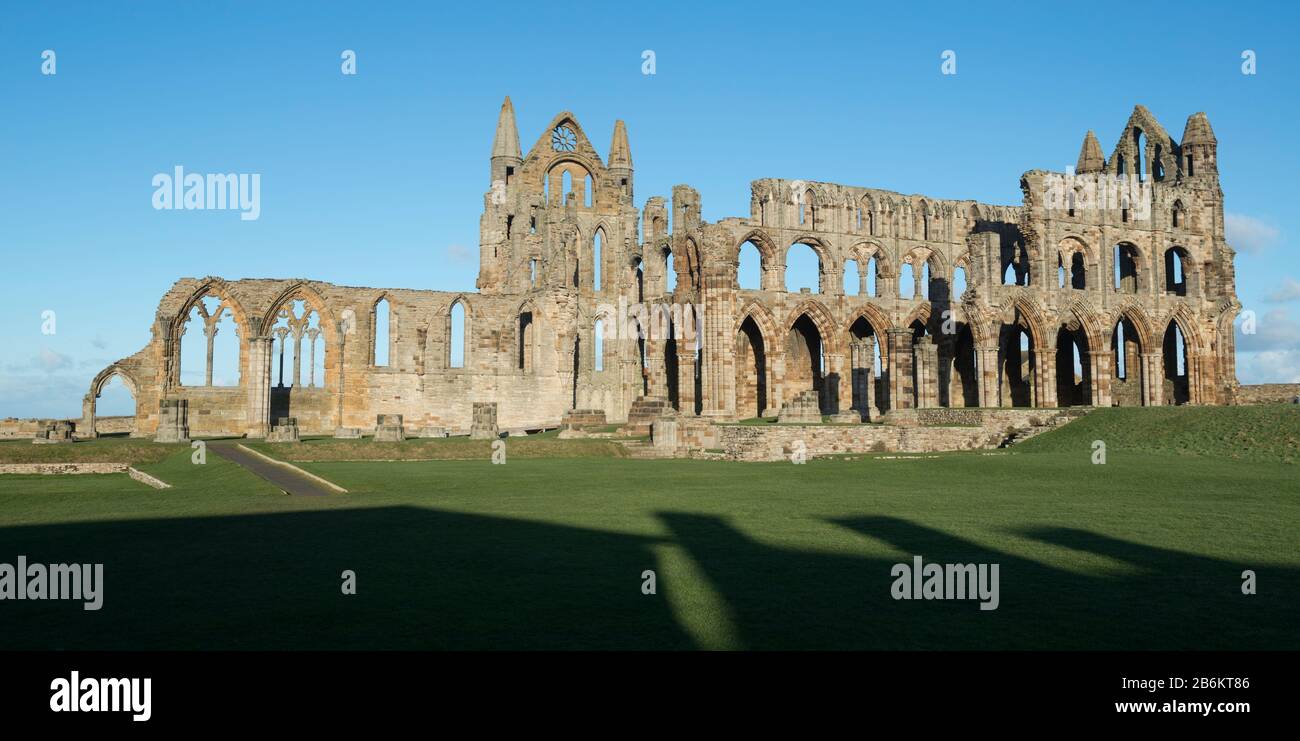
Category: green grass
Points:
column 1143, row 552
column 103, row 450
column 542, row 445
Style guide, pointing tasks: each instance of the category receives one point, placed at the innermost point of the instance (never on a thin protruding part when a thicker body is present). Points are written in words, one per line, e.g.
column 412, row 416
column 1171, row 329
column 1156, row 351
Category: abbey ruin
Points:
column 588, row 305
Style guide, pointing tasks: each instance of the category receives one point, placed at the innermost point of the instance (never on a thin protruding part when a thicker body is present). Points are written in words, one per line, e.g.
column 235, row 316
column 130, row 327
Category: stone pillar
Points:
column 312, row 334
column 1102, row 372
column 718, row 356
column 87, row 427
column 862, row 360
column 900, row 369
column 173, row 421
column 986, row 365
column 686, row 376
column 297, row 357
column 484, row 423
column 210, row 331
column 1044, row 385
column 925, row 357
column 1153, row 381
column 259, row 386
column 282, row 333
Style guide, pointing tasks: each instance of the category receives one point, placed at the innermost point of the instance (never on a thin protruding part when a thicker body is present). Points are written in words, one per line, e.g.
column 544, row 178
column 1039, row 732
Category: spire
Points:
column 1198, row 130
column 1090, row 157
column 506, row 141
column 620, row 154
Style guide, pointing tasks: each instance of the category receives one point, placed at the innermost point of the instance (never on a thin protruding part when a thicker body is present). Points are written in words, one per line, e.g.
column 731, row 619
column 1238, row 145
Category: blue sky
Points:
column 377, row 179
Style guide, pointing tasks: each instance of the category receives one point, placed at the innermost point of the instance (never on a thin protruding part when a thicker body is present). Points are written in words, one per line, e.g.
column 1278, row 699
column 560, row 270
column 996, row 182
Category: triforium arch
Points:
column 445, row 317
column 1077, row 259
column 828, row 269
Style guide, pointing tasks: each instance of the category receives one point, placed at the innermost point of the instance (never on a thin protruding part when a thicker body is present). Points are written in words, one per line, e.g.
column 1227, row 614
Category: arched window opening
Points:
column 1078, row 272
column 597, row 257
column 300, row 347
column 1060, row 273
column 1139, row 154
column 852, row 280
column 959, row 282
column 749, row 271
column 457, row 345
column 907, row 281
column 210, row 345
column 527, row 340
column 586, row 189
column 599, row 345
column 1176, row 386
column 803, row 268
column 670, row 272
column 1175, row 275
column 1126, row 268
column 566, row 187
column 382, row 340
column 532, row 272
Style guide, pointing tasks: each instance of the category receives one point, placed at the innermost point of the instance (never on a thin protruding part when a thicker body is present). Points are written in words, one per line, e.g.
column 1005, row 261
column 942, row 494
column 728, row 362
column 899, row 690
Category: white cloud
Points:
column 50, row 361
column 1281, row 366
column 1289, row 291
column 459, row 254
column 1275, row 331
column 1247, row 234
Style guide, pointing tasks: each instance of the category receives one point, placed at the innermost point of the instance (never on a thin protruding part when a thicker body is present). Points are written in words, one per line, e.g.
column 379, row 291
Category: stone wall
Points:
column 774, row 442
column 1267, row 393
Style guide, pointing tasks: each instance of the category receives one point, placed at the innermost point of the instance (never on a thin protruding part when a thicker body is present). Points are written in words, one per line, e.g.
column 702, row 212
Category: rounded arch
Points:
column 824, row 251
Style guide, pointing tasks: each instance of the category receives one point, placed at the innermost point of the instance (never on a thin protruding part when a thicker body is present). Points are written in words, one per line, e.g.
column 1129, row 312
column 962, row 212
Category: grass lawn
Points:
column 1143, row 552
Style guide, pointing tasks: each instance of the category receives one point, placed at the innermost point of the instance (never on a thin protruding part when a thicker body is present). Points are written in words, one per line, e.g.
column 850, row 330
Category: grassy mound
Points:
column 133, row 451
column 1268, row 432
column 546, row 445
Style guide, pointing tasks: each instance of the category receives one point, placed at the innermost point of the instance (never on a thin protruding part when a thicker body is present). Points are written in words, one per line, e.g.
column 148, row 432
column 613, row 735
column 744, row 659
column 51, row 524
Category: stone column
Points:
column 312, row 334
column 210, row 331
column 1102, row 373
column 1153, row 382
column 986, row 366
column 900, row 369
column 1043, row 388
column 925, row 356
column 259, row 386
column 686, row 376
column 297, row 357
column 281, row 333
column 718, row 350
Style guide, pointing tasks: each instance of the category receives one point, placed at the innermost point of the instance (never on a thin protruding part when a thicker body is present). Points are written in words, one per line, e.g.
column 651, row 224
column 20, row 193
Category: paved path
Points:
column 285, row 479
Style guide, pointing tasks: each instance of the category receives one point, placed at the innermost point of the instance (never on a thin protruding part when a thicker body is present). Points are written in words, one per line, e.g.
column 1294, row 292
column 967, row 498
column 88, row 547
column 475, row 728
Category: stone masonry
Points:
column 1109, row 285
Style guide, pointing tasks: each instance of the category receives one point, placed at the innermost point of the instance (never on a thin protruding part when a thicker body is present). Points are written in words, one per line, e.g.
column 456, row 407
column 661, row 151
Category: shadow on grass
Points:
column 429, row 578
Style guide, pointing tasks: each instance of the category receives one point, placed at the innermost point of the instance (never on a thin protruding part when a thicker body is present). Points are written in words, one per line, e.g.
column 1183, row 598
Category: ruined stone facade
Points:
column 585, row 302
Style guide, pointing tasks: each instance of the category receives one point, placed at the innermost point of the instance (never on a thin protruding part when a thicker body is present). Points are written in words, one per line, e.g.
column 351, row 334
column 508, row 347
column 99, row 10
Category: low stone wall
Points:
column 1267, row 393
column 60, row 469
column 774, row 442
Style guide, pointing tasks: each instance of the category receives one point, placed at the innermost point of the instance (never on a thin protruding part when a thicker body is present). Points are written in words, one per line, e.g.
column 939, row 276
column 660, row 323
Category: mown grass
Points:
column 1146, row 551
column 542, row 445
column 103, row 450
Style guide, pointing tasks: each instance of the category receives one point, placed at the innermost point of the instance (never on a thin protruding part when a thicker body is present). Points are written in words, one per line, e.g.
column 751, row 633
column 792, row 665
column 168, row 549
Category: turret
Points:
column 1199, row 147
column 620, row 159
column 1090, row 157
column 506, row 155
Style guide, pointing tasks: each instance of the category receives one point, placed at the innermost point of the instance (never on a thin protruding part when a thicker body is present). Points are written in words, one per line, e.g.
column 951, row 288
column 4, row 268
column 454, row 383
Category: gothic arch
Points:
column 1137, row 316
column 821, row 317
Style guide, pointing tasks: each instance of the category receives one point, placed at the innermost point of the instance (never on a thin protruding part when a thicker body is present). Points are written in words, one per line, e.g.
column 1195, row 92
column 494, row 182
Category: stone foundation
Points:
column 388, row 428
column 484, row 426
